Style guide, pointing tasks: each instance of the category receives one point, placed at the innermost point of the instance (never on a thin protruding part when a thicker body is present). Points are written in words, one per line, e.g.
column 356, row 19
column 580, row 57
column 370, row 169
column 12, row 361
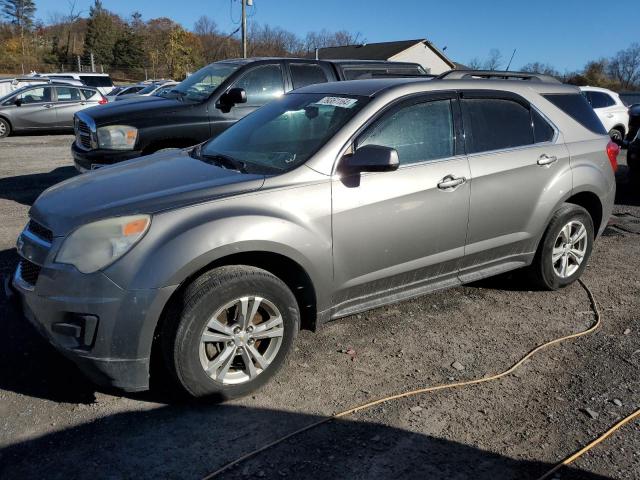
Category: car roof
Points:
column 372, row 87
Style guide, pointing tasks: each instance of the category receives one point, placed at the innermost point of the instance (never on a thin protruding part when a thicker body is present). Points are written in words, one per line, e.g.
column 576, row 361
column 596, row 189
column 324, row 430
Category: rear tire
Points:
column 5, row 128
column 565, row 248
column 216, row 351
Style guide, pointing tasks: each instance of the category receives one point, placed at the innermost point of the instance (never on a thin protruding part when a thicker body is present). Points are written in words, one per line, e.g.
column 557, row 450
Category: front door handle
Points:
column 545, row 159
column 450, row 182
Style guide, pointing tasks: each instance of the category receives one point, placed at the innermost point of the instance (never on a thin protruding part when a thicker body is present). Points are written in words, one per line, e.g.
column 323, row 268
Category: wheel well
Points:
column 591, row 203
column 174, row 143
column 6, row 120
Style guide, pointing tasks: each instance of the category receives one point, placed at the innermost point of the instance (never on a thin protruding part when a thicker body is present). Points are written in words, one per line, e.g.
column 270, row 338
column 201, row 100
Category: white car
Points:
column 611, row 110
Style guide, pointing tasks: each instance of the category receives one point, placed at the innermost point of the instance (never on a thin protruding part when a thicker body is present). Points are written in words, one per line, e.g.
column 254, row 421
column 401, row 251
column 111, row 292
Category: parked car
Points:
column 205, row 104
column 101, row 81
column 148, row 90
column 610, row 109
column 122, row 91
column 633, row 143
column 331, row 200
column 10, row 85
column 630, row 98
column 45, row 106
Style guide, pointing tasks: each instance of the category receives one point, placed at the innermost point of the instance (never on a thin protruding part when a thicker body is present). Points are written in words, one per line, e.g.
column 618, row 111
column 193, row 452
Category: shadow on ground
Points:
column 191, row 441
column 26, row 188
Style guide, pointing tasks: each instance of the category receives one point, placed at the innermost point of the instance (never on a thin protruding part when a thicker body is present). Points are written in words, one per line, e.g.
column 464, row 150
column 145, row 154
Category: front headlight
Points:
column 117, row 137
column 98, row 244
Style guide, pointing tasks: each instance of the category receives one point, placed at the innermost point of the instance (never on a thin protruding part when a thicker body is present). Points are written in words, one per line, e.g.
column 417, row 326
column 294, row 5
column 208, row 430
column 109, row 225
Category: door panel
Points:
column 36, row 110
column 68, row 102
column 514, row 187
column 398, row 231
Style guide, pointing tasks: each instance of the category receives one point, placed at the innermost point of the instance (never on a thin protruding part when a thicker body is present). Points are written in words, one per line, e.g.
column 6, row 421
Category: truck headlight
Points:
column 96, row 245
column 117, row 137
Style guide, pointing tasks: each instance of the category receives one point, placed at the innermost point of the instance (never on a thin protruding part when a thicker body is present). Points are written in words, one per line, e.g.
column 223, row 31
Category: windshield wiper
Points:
column 221, row 160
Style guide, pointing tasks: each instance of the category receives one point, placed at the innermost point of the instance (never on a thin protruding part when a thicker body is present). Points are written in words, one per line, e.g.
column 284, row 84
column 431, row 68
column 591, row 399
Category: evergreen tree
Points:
column 19, row 13
column 102, row 34
column 128, row 51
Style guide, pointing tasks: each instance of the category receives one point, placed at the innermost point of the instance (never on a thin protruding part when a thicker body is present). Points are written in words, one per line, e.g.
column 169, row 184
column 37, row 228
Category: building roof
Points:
column 377, row 51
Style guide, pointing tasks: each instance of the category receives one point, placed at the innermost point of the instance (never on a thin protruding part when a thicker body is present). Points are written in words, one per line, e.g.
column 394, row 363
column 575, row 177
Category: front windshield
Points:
column 201, row 84
column 284, row 133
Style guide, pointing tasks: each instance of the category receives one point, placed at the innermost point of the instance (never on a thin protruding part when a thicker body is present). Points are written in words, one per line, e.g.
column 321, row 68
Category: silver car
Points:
column 333, row 199
column 45, row 107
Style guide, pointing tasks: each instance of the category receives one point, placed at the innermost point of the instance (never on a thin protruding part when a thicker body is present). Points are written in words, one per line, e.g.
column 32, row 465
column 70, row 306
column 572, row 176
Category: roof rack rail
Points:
column 497, row 75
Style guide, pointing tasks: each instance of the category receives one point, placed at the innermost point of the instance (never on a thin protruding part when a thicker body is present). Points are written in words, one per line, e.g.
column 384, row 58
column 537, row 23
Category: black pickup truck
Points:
column 205, row 104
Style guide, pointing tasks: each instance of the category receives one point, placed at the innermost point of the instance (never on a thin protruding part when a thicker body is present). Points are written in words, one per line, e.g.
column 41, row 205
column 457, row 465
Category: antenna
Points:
column 511, row 59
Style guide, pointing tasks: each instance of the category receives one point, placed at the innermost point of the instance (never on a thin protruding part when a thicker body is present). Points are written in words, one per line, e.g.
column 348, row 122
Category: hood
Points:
column 132, row 108
column 144, row 185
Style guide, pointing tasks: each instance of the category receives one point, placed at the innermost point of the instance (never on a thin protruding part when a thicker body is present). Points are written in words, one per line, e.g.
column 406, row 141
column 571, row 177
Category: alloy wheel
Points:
column 569, row 249
column 241, row 339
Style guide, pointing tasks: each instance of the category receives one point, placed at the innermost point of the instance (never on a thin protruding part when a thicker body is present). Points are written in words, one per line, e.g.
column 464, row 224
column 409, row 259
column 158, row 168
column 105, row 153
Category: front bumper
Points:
column 85, row 160
column 105, row 330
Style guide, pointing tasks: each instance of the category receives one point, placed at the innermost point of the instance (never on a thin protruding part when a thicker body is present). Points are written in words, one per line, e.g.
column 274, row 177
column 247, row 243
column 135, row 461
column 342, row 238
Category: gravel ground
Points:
column 56, row 424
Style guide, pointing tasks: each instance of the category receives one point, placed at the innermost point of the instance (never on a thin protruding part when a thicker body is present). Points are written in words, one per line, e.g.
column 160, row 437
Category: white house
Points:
column 421, row 51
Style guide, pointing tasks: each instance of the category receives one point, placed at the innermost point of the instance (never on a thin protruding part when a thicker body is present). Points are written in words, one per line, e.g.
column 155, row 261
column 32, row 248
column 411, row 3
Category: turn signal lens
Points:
column 135, row 227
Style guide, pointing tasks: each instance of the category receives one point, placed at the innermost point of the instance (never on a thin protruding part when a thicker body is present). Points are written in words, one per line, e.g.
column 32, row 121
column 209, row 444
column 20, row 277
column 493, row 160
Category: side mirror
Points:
column 230, row 98
column 371, row 158
column 18, row 102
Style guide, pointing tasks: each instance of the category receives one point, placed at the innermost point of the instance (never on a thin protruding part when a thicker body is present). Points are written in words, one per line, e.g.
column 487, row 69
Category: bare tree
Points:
column 494, row 61
column 325, row 38
column 624, row 67
column 538, row 67
column 475, row 64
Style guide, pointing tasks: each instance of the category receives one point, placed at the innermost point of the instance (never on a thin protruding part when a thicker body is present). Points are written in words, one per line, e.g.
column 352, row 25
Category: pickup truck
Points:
column 206, row 103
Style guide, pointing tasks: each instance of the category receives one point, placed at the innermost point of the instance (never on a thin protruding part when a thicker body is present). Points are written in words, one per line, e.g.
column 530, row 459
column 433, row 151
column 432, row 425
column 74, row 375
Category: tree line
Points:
column 621, row 72
column 133, row 48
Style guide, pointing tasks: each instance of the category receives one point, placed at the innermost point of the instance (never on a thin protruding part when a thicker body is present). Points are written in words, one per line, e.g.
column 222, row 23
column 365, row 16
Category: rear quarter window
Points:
column 577, row 107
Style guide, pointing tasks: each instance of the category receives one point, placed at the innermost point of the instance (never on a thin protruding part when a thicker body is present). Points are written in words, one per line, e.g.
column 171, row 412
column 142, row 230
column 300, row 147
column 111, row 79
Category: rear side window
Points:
column 304, row 74
column 96, row 81
column 542, row 131
column 577, row 107
column 600, row 100
column 66, row 94
column 496, row 124
column 418, row 132
column 90, row 94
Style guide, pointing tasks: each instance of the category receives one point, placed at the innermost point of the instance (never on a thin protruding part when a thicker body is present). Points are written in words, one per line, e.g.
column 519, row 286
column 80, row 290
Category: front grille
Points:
column 40, row 231
column 29, row 272
column 83, row 134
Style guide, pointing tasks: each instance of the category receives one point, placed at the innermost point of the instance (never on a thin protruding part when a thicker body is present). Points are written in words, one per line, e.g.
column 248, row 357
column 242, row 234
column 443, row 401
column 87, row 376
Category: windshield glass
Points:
column 201, row 84
column 148, row 89
column 284, row 133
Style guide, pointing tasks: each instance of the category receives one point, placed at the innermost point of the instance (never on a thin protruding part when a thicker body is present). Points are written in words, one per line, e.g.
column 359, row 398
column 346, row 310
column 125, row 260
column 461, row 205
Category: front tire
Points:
column 5, row 128
column 236, row 326
column 565, row 248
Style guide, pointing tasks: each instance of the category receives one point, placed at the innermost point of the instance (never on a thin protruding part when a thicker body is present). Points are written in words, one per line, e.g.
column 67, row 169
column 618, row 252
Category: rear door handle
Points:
column 545, row 159
column 48, row 105
column 450, row 182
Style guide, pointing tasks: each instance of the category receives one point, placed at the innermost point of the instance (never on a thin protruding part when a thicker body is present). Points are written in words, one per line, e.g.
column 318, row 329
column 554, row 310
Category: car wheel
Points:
column 235, row 329
column 565, row 248
column 616, row 135
column 5, row 128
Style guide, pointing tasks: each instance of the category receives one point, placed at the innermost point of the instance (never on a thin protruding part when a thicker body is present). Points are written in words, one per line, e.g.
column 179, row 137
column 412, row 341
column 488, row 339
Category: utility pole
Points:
column 244, row 28
column 93, row 63
column 79, row 66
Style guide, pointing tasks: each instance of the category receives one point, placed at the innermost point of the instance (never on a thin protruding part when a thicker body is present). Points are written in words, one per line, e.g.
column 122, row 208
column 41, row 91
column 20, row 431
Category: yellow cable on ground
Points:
column 586, row 448
column 435, row 388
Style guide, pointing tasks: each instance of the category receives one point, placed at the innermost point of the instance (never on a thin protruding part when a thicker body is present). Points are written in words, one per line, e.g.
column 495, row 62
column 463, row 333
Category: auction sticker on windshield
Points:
column 337, row 102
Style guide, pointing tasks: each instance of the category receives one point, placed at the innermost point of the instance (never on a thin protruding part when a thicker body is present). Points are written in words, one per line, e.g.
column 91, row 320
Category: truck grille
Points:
column 29, row 272
column 83, row 134
column 40, row 231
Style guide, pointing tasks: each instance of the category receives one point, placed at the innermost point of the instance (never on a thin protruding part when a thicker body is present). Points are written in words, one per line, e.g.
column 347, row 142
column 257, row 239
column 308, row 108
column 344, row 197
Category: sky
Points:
column 563, row 33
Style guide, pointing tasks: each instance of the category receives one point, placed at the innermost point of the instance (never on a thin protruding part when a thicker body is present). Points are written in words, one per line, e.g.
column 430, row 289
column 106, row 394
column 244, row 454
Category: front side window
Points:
column 418, row 132
column 35, row 95
column 304, row 74
column 284, row 134
column 496, row 124
column 262, row 84
column 66, row 94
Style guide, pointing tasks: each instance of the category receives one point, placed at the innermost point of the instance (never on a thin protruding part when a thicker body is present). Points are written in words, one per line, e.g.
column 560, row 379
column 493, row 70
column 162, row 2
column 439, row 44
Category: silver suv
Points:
column 334, row 199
